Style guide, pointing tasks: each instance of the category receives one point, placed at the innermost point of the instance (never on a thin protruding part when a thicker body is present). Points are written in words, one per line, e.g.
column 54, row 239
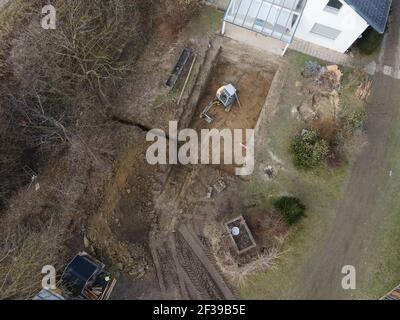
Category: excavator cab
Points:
column 227, row 95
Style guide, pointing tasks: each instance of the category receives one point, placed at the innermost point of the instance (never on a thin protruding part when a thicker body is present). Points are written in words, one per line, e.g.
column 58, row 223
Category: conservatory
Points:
column 272, row 18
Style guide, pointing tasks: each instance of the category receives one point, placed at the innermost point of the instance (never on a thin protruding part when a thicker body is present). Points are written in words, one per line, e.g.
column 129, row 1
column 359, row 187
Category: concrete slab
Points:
column 387, row 70
column 321, row 53
column 254, row 39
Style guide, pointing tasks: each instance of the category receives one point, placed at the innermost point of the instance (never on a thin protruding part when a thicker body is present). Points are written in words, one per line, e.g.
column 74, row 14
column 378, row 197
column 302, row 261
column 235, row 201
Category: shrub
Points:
column 49, row 81
column 291, row 208
column 309, row 149
column 353, row 120
column 370, row 42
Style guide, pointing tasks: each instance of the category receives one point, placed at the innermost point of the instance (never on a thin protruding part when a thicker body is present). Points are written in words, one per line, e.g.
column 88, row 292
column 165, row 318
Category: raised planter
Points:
column 244, row 241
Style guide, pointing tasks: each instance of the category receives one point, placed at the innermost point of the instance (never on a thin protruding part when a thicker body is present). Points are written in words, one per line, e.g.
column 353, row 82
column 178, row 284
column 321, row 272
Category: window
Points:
column 300, row 5
column 334, row 6
column 294, row 20
column 259, row 23
column 325, row 31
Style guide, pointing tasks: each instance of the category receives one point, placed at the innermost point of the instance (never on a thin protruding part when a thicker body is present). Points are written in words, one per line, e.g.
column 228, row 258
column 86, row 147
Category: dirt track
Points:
column 351, row 239
column 184, row 269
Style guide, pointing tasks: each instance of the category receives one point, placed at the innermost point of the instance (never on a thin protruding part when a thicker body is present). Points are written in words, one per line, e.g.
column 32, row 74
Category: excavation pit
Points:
column 253, row 79
column 253, row 86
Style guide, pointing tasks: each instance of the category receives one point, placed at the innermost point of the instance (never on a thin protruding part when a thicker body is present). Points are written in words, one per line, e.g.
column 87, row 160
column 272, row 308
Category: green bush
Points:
column 353, row 120
column 370, row 42
column 309, row 149
column 291, row 208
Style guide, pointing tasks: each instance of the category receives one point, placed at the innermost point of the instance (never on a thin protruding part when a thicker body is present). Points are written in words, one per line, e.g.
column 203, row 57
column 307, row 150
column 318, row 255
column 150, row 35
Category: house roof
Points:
column 375, row 12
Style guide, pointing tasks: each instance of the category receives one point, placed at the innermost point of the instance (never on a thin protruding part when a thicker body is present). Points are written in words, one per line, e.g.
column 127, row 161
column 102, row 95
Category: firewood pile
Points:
column 364, row 90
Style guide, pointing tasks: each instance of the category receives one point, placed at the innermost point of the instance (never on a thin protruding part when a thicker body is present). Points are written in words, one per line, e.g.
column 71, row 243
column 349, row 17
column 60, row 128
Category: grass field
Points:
column 383, row 258
column 321, row 190
column 209, row 20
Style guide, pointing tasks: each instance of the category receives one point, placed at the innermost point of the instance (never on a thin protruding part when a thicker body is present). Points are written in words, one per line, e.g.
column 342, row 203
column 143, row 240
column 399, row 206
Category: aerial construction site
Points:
column 111, row 85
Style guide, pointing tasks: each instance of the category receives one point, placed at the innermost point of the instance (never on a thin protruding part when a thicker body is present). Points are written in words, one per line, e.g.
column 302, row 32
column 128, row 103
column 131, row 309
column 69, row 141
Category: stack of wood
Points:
column 364, row 90
column 393, row 295
column 335, row 73
column 330, row 79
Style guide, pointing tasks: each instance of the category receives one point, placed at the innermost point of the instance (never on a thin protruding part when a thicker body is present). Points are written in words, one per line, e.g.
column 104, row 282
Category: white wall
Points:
column 346, row 20
column 254, row 39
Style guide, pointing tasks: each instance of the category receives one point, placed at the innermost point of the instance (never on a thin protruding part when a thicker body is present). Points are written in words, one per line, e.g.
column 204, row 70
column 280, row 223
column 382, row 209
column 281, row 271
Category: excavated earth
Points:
column 152, row 218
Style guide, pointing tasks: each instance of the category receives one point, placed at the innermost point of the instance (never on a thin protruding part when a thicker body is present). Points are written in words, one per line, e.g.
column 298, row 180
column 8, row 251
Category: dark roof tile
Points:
column 375, row 12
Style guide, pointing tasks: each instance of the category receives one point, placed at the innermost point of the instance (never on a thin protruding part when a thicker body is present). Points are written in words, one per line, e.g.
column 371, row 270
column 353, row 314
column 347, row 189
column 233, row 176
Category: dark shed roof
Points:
column 77, row 274
column 375, row 12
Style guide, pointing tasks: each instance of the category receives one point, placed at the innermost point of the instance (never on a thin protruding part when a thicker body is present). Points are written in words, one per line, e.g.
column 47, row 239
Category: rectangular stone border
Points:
column 241, row 218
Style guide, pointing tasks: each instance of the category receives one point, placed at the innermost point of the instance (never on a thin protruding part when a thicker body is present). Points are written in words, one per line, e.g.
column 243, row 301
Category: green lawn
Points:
column 207, row 21
column 383, row 260
column 321, row 190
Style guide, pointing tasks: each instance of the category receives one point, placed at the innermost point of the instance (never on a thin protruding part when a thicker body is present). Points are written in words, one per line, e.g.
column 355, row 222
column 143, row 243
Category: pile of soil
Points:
column 120, row 229
column 267, row 228
column 320, row 86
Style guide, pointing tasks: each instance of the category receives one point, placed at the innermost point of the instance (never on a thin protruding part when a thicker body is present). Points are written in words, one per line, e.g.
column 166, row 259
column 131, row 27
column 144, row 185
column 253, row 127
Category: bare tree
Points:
column 55, row 83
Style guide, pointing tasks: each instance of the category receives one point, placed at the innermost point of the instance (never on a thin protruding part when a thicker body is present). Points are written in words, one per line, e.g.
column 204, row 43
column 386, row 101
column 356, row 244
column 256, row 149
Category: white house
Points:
column 333, row 24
